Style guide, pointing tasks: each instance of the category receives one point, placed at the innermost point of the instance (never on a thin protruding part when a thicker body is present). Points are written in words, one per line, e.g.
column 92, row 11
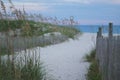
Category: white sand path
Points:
column 65, row 61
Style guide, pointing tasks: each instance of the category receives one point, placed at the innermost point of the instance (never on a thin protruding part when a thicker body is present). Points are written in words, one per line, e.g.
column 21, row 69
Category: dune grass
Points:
column 29, row 71
column 68, row 31
column 24, row 69
column 11, row 68
column 91, row 57
column 31, row 28
column 93, row 72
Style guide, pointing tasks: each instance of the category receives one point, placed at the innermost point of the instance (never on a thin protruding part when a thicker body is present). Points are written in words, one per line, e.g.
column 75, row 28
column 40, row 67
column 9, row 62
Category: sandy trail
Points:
column 65, row 61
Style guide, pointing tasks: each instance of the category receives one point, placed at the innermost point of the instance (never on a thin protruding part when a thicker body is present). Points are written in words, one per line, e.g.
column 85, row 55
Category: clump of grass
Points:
column 3, row 51
column 28, row 71
column 93, row 72
column 13, row 24
column 70, row 32
column 91, row 57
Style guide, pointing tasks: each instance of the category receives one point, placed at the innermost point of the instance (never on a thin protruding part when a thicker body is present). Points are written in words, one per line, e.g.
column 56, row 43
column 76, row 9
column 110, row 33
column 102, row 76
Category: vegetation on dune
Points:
column 93, row 72
column 3, row 51
column 29, row 71
column 69, row 31
column 91, row 57
column 30, row 28
column 25, row 68
column 5, row 25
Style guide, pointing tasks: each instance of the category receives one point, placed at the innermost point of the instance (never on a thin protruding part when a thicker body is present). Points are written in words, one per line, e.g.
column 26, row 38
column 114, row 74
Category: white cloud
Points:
column 79, row 1
column 31, row 6
column 94, row 1
column 54, row 2
column 116, row 1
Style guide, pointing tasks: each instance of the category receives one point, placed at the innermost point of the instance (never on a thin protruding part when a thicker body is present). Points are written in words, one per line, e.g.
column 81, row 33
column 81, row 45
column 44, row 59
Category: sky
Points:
column 88, row 12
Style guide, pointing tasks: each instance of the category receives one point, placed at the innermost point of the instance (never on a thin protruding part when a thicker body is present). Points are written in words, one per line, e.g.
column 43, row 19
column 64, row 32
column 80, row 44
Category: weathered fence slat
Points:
column 108, row 54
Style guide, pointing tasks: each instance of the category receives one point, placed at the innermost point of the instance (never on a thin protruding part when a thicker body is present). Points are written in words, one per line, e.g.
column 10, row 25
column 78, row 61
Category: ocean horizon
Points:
column 94, row 28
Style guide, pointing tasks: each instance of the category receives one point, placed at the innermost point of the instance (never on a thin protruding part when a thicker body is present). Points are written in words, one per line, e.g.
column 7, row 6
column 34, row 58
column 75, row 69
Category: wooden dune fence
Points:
column 108, row 54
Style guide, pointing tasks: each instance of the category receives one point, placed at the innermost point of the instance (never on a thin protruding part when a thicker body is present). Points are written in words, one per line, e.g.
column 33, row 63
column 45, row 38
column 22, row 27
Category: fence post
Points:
column 99, row 33
column 110, row 29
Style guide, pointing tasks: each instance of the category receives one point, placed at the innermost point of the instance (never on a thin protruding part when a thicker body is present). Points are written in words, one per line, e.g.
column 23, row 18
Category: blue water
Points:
column 94, row 28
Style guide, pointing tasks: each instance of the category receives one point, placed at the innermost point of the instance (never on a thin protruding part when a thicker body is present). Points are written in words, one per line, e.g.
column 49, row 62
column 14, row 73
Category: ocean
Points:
column 94, row 28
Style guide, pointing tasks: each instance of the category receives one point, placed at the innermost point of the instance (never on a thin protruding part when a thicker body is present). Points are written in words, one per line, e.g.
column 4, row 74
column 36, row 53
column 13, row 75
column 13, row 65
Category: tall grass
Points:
column 93, row 72
column 69, row 31
column 28, row 71
column 24, row 67
column 11, row 68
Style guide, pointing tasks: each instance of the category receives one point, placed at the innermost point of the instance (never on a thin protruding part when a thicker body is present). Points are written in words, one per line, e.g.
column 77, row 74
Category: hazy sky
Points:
column 85, row 11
